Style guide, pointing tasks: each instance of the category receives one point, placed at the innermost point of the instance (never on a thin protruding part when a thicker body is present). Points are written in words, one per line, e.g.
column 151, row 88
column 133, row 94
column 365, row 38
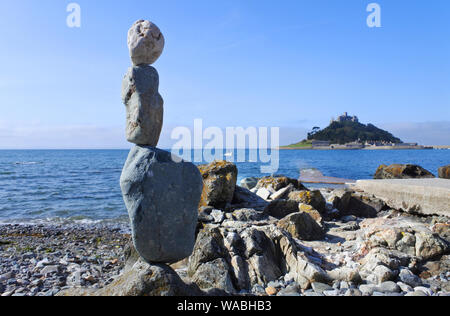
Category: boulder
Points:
column 404, row 235
column 397, row 171
column 219, row 183
column 358, row 204
column 444, row 172
column 241, row 257
column 248, row 215
column 302, row 226
column 429, row 246
column 281, row 208
column 142, row 279
column 244, row 198
column 305, row 208
column 162, row 199
column 144, row 105
column 145, row 42
column 276, row 183
column 313, row 198
column 214, row 274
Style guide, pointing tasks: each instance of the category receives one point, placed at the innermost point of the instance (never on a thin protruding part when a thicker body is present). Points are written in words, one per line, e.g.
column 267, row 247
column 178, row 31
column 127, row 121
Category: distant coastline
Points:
column 367, row 148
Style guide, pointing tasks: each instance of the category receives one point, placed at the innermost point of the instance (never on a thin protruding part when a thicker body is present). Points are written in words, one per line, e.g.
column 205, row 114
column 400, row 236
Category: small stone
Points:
column 321, row 287
column 271, row 291
column 409, row 278
column 218, row 216
column 6, row 276
column 274, row 284
column 427, row 291
column 331, row 293
column 389, row 287
column 353, row 292
column 49, row 270
column 367, row 289
column 405, row 287
column 416, row 293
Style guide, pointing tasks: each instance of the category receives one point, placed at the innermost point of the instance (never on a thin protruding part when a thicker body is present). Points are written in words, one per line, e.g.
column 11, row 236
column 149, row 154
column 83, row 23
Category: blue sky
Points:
column 290, row 63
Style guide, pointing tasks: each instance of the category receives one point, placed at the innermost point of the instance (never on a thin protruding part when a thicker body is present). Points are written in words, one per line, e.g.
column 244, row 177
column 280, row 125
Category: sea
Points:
column 82, row 186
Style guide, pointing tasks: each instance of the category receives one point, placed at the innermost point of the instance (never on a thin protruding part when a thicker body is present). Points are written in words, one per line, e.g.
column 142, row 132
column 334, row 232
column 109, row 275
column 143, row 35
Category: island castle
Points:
column 346, row 118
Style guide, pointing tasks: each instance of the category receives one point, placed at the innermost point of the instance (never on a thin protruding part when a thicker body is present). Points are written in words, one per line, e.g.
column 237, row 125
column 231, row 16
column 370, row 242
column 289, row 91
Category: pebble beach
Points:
column 42, row 260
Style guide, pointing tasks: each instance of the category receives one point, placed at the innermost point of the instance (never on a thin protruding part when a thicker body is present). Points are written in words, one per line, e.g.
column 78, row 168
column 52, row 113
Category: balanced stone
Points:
column 145, row 42
column 144, row 105
column 162, row 196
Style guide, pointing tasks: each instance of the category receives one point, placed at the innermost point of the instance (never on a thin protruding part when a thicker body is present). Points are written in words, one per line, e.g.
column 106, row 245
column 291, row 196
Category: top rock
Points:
column 145, row 42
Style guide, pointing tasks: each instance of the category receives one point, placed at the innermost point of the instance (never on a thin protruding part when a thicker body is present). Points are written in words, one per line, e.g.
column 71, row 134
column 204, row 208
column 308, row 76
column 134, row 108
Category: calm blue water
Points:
column 60, row 185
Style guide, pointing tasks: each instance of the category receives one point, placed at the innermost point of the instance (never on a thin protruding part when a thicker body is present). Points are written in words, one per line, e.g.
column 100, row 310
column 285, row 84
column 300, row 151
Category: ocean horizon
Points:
column 82, row 185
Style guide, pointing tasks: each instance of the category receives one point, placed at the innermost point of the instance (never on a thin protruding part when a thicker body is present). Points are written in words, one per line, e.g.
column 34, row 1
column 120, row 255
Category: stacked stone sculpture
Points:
column 161, row 194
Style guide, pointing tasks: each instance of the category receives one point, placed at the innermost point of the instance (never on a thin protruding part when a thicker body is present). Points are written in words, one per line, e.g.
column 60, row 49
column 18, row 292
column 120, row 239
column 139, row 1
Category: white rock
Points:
column 425, row 290
column 263, row 193
column 145, row 42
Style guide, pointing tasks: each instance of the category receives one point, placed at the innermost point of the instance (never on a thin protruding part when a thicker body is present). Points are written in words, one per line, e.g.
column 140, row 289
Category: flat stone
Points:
column 367, row 289
column 353, row 292
column 407, row 277
column 416, row 293
column 321, row 287
column 263, row 193
column 423, row 196
column 162, row 198
column 427, row 291
column 389, row 287
column 145, row 42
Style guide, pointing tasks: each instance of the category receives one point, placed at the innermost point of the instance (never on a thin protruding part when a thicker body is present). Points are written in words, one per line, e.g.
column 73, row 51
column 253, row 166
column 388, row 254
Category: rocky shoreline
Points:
column 267, row 237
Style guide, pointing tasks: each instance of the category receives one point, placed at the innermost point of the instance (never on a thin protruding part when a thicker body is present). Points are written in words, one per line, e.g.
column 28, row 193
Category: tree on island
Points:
column 347, row 132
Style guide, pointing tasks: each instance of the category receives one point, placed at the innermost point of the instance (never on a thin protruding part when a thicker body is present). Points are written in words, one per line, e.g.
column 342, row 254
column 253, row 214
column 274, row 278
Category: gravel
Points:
column 42, row 260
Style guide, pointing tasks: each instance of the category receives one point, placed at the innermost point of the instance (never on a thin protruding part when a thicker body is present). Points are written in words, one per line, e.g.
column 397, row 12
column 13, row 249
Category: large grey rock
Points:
column 144, row 105
column 142, row 279
column 162, row 197
column 145, row 42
